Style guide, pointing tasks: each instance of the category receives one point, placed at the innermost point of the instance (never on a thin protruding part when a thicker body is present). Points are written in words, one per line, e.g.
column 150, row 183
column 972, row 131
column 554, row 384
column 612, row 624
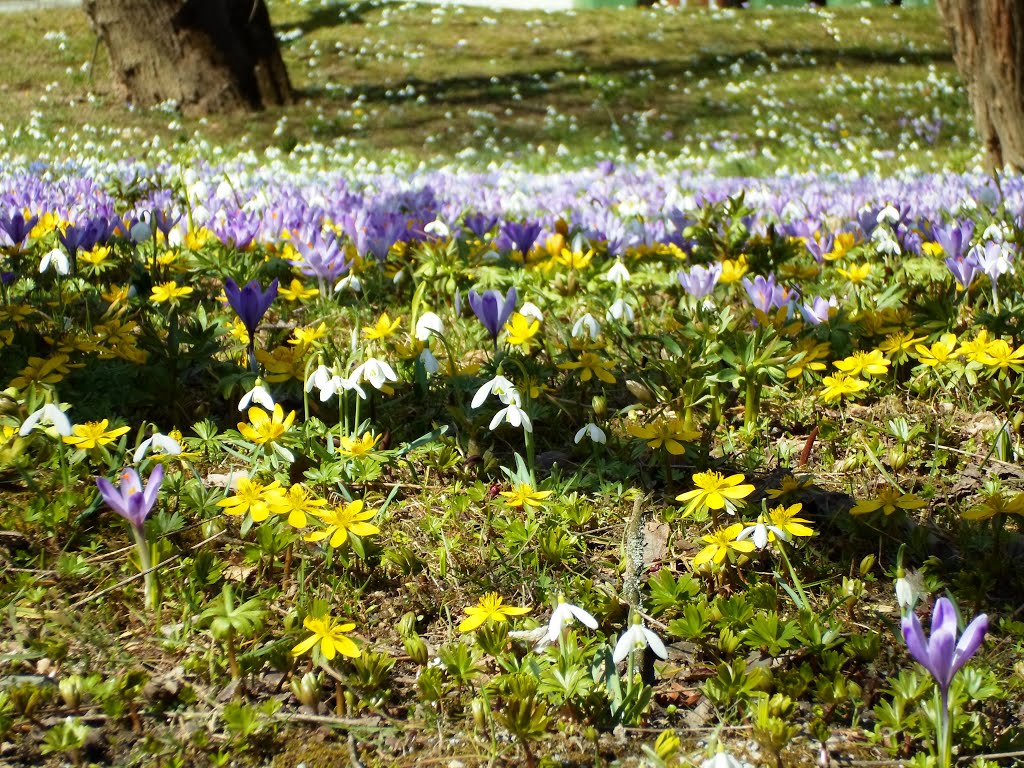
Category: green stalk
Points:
column 805, row 603
column 146, row 566
column 752, row 403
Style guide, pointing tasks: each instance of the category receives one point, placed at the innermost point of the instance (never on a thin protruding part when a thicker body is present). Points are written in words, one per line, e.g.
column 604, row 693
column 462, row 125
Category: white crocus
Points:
column 499, row 386
column 620, row 310
column 258, row 395
column 586, row 326
column 636, row 638
column 48, row 414
column 374, row 371
column 428, row 324
column 564, row 615
column 618, row 273
column 58, row 259
column 158, row 442
column 594, row 432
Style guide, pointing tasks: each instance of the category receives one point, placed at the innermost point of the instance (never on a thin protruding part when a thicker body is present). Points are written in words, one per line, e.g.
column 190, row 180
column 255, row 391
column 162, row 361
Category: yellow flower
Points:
column 999, row 355
column 786, row 520
column 383, row 328
column 523, row 495
column 295, row 291
column 264, row 427
column 839, row 386
column 116, row 295
column 330, row 636
column 306, row 336
column 975, row 349
column 254, row 497
column 196, row 239
column 897, row 343
column 237, row 330
column 284, row 363
column 16, row 313
column 841, row 245
column 358, row 446
column 590, row 365
column 42, row 371
column 931, row 248
column 170, row 291
column 720, row 542
column 811, row 355
column 341, row 521
column 298, row 503
column 92, row 434
column 95, row 258
column 714, row 491
column 997, row 504
column 871, row 363
column 790, row 484
column 574, row 259
column 670, row 433
column 489, row 609
column 889, row 500
column 940, row 352
column 733, row 270
column 520, row 330
column 857, row 273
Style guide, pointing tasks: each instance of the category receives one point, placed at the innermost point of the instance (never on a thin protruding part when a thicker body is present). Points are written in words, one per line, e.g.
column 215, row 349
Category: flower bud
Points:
column 600, row 405
column 416, row 648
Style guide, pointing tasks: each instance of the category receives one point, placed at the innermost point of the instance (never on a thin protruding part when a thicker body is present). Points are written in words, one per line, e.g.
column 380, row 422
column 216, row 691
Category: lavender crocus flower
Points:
column 134, row 503
column 819, row 310
column 942, row 655
column 700, row 281
column 964, row 269
column 17, row 228
column 764, row 293
column 129, row 499
column 954, row 238
column 521, row 237
column 492, row 310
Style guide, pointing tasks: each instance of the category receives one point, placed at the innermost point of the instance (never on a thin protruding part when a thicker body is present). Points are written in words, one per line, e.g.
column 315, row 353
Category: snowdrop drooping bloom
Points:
column 430, row 363
column 636, row 638
column 564, row 615
column 58, row 260
column 499, row 386
column 586, row 326
column 620, row 310
column 376, row 372
column 427, row 325
column 160, row 442
column 48, row 414
column 618, row 273
column 531, row 311
column 513, row 413
column 759, row 533
column 259, row 395
column 594, row 432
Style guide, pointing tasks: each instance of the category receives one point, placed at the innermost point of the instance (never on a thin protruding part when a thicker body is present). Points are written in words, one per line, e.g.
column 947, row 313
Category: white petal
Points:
column 583, row 616
column 141, row 450
column 655, row 643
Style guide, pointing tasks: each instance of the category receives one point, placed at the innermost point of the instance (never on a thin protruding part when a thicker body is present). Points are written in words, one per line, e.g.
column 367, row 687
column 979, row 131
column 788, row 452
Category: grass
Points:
column 747, row 93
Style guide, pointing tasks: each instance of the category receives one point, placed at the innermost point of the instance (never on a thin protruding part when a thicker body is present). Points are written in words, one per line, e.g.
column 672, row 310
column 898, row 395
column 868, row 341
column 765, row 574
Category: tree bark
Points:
column 206, row 56
column 988, row 46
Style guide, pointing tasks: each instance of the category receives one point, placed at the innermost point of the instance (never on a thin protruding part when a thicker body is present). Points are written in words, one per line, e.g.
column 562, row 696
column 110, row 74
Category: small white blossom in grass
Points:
column 564, row 615
column 618, row 273
column 58, row 260
column 759, row 533
column 430, row 363
column 499, row 386
column 909, row 588
column 620, row 310
column 586, row 326
column 259, row 395
column 158, row 442
column 594, row 432
column 376, row 372
column 636, row 638
column 513, row 413
column 438, row 229
column 531, row 311
column 428, row 325
column 48, row 414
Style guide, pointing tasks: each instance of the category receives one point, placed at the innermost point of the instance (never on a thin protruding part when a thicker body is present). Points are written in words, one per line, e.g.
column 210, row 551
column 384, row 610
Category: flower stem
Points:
column 146, row 566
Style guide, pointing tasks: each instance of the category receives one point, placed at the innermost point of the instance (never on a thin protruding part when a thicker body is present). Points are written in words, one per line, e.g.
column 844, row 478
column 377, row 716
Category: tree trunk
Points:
column 988, row 45
column 206, row 56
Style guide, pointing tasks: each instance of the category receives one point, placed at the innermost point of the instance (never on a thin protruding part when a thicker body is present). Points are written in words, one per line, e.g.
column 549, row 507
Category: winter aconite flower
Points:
column 93, row 434
column 591, row 366
column 341, row 521
column 524, row 495
column 714, row 491
column 667, row 433
column 330, row 636
column 489, row 609
column 520, row 330
column 888, row 500
column 720, row 543
column 298, row 503
column 939, row 353
column 383, row 328
column 839, row 386
column 170, row 292
column 266, row 428
column 255, row 498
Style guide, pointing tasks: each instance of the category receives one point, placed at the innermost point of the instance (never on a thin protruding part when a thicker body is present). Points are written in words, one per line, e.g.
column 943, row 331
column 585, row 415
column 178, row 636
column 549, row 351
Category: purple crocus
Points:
column 251, row 302
column 16, row 227
column 134, row 503
column 954, row 238
column 493, row 310
column 765, row 294
column 941, row 654
column 819, row 310
column 521, row 237
column 700, row 281
column 130, row 500
column 964, row 269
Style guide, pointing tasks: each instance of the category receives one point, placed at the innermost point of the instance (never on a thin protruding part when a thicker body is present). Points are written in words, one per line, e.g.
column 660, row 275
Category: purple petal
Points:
column 111, row 496
column 970, row 642
column 156, row 479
